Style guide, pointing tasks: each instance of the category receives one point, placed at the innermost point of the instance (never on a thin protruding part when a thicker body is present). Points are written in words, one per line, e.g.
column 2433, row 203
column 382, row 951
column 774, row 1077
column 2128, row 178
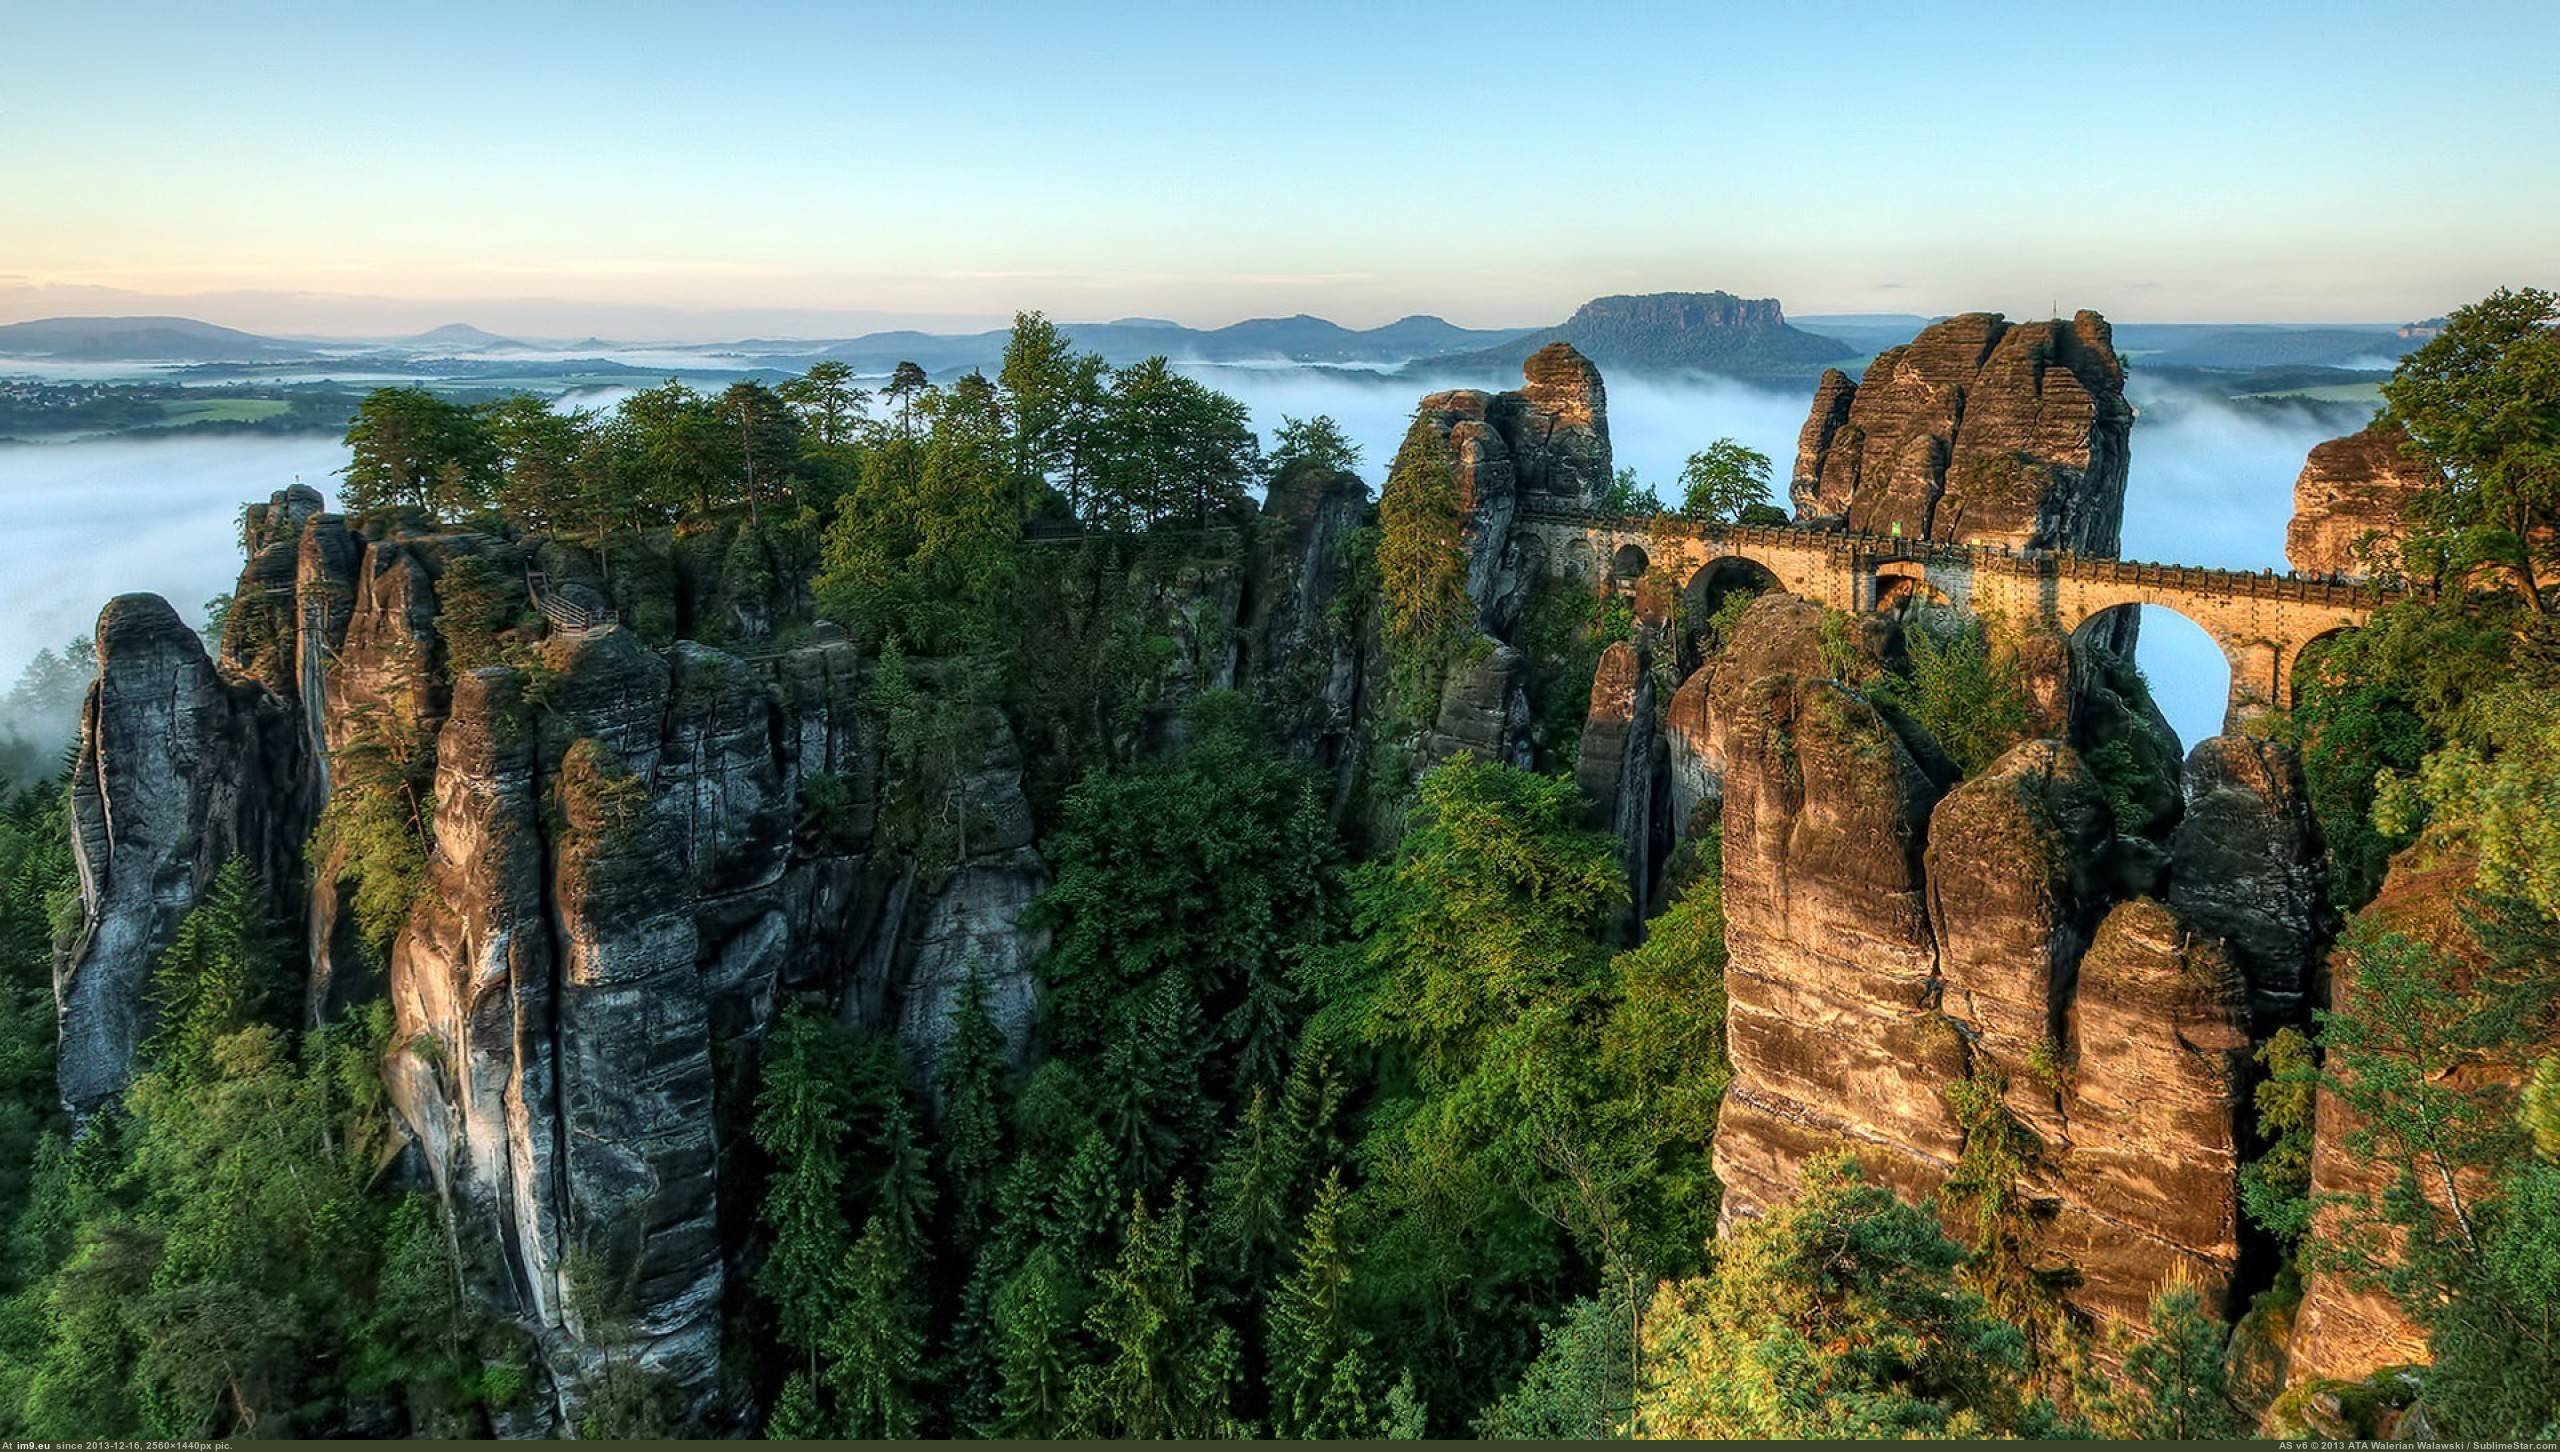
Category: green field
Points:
column 220, row 410
column 2328, row 393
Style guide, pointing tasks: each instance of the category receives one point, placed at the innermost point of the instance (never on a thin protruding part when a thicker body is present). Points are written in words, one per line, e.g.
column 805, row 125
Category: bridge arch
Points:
column 1628, row 563
column 2197, row 678
column 2306, row 654
column 1900, row 581
column 1711, row 587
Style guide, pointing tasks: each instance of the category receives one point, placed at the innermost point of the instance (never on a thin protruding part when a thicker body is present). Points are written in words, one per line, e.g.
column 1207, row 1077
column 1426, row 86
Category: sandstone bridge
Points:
column 2263, row 622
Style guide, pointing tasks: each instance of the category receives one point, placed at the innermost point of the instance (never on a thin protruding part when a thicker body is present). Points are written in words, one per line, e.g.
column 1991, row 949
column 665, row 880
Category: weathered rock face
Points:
column 2347, row 1328
column 1831, row 985
column 1484, row 709
column 177, row 770
column 623, row 882
column 1548, row 440
column 1977, row 430
column 2247, row 866
column 1306, row 654
column 2153, row 1093
column 258, row 635
column 1616, row 768
column 2017, row 875
column 2351, row 502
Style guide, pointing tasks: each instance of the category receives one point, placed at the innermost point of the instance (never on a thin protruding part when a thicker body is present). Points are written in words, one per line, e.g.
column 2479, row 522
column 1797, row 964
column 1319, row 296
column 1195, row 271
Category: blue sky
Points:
column 705, row 166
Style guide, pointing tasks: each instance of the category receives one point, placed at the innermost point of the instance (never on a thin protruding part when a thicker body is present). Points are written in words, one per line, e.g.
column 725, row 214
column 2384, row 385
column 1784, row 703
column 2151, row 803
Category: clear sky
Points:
column 704, row 167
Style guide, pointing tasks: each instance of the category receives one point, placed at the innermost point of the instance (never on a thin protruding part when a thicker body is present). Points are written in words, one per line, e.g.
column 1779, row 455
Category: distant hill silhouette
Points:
column 460, row 335
column 127, row 340
column 1667, row 332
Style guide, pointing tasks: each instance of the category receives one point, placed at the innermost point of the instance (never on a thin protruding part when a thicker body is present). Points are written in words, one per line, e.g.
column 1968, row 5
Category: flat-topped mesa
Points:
column 2351, row 503
column 1979, row 430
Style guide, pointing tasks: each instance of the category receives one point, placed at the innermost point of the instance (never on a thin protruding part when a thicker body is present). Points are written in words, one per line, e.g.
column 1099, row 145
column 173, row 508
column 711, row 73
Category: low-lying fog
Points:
column 2212, row 485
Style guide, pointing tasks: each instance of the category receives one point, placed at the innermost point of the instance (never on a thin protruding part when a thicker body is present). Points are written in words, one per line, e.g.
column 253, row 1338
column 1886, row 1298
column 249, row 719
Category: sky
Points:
column 706, row 170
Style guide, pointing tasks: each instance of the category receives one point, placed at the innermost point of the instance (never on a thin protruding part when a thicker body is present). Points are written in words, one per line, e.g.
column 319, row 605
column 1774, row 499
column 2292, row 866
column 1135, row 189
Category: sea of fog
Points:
column 2211, row 485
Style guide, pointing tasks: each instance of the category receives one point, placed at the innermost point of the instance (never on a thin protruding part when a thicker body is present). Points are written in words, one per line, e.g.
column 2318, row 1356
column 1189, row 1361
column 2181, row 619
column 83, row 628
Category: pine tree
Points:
column 1166, row 1365
column 875, row 1342
column 802, row 1116
column 972, row 1147
column 1315, row 1350
column 2172, row 1388
column 1034, row 1331
column 795, row 1416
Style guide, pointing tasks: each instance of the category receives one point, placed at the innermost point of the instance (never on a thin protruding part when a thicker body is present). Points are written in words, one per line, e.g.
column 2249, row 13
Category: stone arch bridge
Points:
column 2263, row 622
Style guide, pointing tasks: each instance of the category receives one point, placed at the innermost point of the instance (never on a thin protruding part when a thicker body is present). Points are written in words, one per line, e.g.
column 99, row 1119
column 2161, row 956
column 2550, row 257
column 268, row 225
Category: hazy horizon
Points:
column 503, row 165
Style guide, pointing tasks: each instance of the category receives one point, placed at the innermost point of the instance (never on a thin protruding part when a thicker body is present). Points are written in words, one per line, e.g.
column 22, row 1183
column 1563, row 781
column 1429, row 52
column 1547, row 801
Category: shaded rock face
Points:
column 1547, row 441
column 1831, row 982
column 1484, row 710
column 1616, row 767
column 2017, row 878
column 1976, row 430
column 259, row 633
column 2351, row 502
column 178, row 769
column 2247, row 865
column 622, row 886
column 2152, row 1097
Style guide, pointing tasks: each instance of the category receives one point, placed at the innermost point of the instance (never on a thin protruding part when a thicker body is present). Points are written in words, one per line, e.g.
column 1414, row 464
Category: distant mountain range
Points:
column 1689, row 332
column 140, row 340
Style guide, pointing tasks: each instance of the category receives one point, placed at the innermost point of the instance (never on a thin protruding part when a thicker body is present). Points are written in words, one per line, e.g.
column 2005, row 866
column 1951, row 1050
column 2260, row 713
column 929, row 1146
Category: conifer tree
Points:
column 875, row 1342
column 1316, row 1352
column 802, row 1116
column 1165, row 1365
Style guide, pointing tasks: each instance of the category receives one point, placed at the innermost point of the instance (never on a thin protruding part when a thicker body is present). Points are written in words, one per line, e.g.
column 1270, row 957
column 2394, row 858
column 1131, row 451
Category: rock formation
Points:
column 1831, row 981
column 178, row 769
column 2246, row 865
column 1977, row 430
column 1616, row 767
column 2154, row 1088
column 1547, row 441
column 2017, row 876
column 2351, row 502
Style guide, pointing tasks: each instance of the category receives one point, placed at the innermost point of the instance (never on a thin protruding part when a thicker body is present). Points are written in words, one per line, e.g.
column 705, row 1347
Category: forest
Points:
column 1367, row 1119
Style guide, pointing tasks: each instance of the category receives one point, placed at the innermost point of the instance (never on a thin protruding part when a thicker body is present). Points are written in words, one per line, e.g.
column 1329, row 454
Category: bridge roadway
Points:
column 2263, row 622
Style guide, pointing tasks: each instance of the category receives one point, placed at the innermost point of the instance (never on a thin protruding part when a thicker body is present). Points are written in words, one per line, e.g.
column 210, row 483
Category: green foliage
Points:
column 1318, row 443
column 1582, row 1386
column 1968, row 696
column 2172, row 1386
column 2275, row 1187
column 1422, row 565
column 1211, row 872
column 2481, row 401
column 1836, row 1315
column 473, row 603
column 407, row 448
column 1721, row 482
column 1563, row 628
column 1627, row 497
column 926, row 548
column 1164, row 1367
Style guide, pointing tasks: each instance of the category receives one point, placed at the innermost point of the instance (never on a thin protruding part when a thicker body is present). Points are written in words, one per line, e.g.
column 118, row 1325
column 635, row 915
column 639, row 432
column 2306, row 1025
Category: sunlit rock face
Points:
column 2347, row 1327
column 2351, row 503
column 2153, row 1089
column 1832, row 1018
column 1978, row 430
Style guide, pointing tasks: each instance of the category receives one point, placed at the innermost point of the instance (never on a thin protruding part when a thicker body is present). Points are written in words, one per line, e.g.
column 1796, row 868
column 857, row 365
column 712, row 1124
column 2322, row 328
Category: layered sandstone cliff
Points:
column 2351, row 503
column 1979, row 430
